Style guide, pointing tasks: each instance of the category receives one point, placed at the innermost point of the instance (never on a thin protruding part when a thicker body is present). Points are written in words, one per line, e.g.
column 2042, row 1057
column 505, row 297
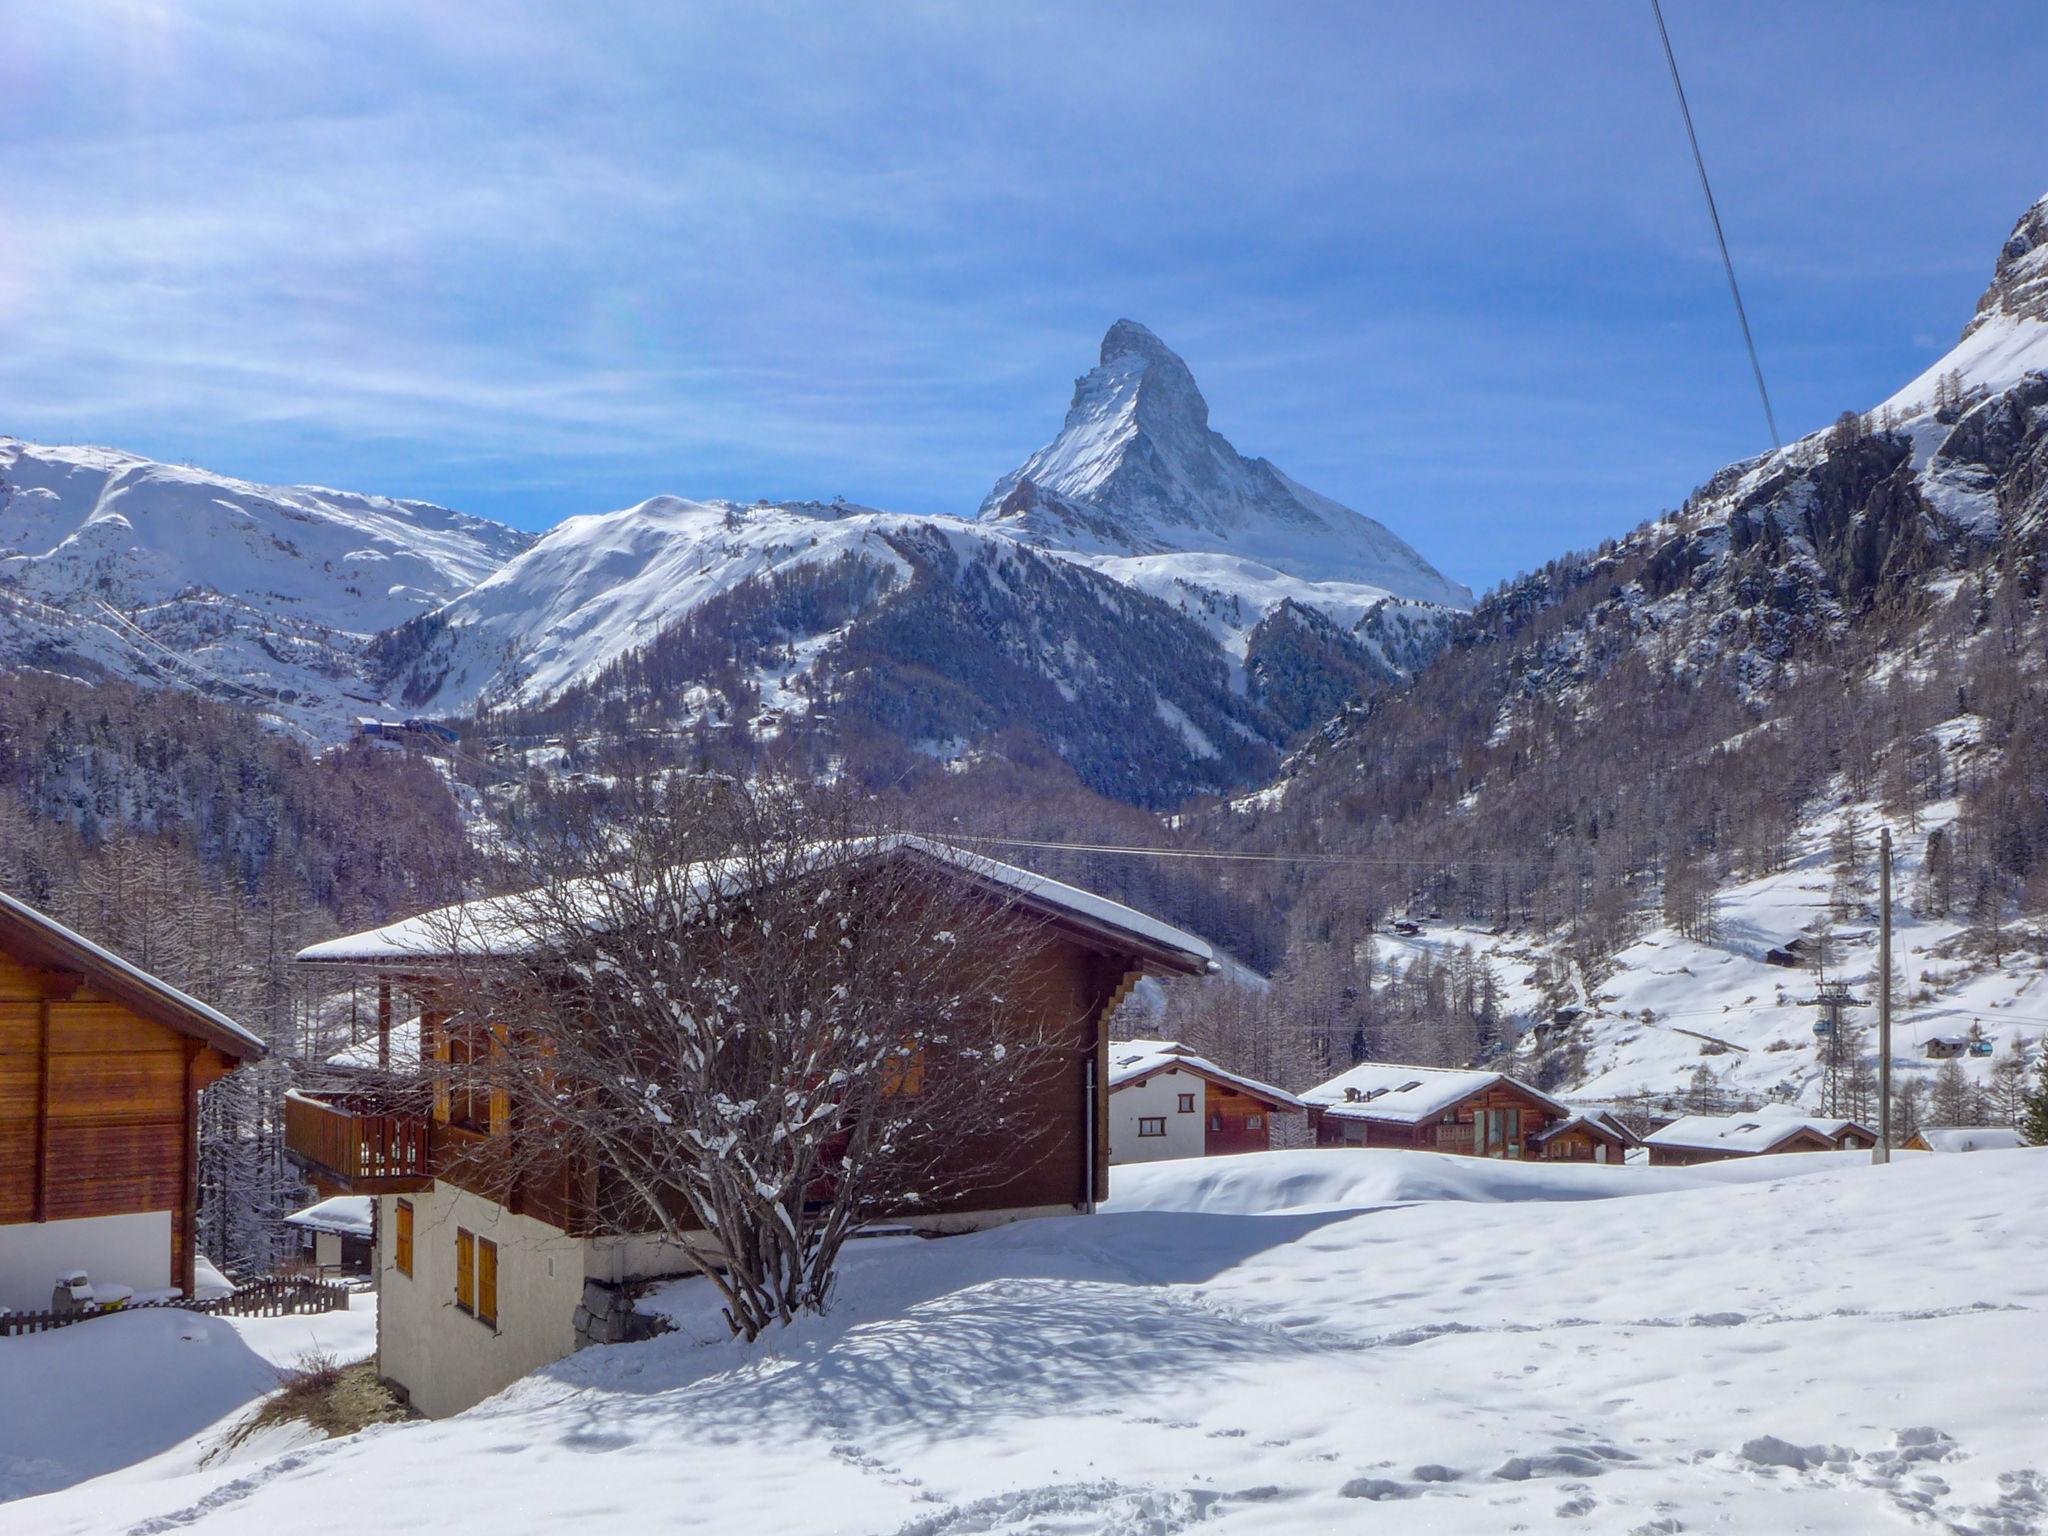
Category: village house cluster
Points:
column 483, row 1278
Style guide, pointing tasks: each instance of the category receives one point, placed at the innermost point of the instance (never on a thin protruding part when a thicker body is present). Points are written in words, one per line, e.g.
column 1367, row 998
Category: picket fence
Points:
column 297, row 1296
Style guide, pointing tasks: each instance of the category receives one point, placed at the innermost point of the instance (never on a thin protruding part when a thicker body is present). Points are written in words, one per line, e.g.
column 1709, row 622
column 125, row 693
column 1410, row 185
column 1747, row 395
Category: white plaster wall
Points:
column 132, row 1250
column 1157, row 1095
column 444, row 1357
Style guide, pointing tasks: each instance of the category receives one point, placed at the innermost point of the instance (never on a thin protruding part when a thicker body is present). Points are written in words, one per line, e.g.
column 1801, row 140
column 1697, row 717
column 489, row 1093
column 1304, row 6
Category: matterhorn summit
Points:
column 1137, row 470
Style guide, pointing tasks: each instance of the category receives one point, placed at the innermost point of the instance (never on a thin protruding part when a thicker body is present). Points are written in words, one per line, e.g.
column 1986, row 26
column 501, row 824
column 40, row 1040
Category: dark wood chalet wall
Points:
column 98, row 1107
column 1069, row 987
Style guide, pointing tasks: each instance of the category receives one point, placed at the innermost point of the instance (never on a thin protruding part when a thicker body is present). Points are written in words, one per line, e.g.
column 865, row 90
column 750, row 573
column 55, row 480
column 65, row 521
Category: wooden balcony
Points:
column 341, row 1141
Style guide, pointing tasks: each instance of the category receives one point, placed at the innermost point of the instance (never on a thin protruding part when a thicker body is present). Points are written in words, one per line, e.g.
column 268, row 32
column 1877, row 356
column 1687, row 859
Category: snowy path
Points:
column 1811, row 1345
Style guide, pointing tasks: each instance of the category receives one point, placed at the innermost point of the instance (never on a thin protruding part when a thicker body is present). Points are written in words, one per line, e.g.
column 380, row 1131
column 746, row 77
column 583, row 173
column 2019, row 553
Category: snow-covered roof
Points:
column 500, row 926
column 1386, row 1090
column 1132, row 1061
column 50, row 940
column 1756, row 1130
column 1970, row 1138
column 1600, row 1120
column 348, row 1215
column 362, row 1054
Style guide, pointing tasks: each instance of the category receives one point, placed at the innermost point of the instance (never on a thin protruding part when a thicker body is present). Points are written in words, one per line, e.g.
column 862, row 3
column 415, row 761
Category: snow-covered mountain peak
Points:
column 165, row 573
column 2007, row 338
column 2019, row 283
column 1137, row 470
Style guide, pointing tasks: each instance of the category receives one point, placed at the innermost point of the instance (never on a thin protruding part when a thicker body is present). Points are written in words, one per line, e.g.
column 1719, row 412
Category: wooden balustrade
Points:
column 367, row 1153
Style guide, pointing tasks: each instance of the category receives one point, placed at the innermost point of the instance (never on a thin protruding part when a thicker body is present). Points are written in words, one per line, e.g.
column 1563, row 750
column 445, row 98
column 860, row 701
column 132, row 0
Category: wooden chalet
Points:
column 1433, row 1109
column 1776, row 1128
column 1964, row 1138
column 482, row 1280
column 1167, row 1102
column 1588, row 1136
column 100, row 1070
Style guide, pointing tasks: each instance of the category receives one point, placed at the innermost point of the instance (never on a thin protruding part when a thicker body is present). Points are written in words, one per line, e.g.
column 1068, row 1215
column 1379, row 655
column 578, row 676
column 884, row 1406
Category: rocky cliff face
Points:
column 2019, row 283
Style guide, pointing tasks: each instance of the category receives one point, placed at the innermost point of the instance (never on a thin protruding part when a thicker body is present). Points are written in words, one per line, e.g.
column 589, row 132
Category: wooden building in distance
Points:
column 480, row 1283
column 1433, row 1109
column 100, row 1070
column 1589, row 1136
column 1167, row 1102
column 1776, row 1128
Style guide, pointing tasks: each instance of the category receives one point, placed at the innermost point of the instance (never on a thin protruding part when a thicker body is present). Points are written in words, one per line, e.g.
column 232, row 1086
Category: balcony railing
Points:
column 365, row 1153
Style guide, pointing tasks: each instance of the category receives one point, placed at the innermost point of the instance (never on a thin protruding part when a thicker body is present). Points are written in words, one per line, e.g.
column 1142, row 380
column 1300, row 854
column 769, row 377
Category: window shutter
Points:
column 501, row 1099
column 437, row 1049
column 465, row 1269
column 401, row 1239
column 487, row 1281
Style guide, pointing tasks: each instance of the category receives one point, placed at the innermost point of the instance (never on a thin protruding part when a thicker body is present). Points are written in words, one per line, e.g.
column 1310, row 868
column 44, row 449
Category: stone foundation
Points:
column 606, row 1316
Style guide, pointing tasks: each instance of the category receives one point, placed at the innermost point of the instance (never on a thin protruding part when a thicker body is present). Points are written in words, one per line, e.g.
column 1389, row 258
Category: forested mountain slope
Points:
column 1669, row 756
column 1161, row 613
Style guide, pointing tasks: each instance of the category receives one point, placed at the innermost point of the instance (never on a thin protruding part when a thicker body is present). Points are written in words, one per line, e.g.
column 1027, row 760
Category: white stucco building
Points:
column 1165, row 1102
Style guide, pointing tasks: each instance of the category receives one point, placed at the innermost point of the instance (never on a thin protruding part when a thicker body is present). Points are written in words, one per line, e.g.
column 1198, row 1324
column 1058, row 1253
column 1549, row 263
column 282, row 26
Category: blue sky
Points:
column 1445, row 263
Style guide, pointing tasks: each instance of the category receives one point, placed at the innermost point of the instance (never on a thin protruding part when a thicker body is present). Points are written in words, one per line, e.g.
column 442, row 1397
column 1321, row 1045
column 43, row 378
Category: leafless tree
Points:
column 747, row 1024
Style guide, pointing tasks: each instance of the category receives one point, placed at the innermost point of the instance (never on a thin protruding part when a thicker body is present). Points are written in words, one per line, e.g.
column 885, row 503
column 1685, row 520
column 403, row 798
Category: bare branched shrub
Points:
column 732, row 1016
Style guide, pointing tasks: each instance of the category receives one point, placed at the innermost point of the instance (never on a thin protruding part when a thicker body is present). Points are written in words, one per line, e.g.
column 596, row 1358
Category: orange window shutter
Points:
column 501, row 1100
column 487, row 1280
column 401, row 1238
column 465, row 1269
column 438, row 1049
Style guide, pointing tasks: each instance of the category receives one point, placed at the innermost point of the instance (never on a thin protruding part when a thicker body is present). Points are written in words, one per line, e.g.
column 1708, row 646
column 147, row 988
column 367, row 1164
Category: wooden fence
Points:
column 259, row 1298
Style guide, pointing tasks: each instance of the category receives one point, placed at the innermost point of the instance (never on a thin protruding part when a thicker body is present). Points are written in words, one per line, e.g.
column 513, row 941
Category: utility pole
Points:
column 1883, row 1153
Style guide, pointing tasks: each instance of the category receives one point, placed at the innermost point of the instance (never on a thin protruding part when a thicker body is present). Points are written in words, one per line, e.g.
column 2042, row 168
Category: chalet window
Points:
column 1254, row 1122
column 1152, row 1125
column 469, row 1102
column 465, row 1269
column 1499, row 1132
column 401, row 1239
column 1216, row 1121
column 487, row 1281
column 1187, row 1103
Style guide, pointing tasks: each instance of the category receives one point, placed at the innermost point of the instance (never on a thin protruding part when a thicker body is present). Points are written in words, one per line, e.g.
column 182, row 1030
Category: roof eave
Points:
column 125, row 982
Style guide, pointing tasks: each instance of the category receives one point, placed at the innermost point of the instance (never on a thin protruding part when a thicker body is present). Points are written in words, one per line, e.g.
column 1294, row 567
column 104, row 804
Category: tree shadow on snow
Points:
column 1051, row 1317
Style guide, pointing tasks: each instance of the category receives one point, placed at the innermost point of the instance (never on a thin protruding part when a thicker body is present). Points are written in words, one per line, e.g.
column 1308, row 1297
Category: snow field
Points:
column 1275, row 1342
column 150, row 1391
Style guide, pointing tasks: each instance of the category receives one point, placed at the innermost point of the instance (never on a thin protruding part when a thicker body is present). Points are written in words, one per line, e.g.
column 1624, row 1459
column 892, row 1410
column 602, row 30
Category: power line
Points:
column 1714, row 212
column 1134, row 850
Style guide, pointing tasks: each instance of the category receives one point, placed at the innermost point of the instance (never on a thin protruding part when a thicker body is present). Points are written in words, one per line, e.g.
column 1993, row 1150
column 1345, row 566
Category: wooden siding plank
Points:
column 131, row 1086
column 102, row 1169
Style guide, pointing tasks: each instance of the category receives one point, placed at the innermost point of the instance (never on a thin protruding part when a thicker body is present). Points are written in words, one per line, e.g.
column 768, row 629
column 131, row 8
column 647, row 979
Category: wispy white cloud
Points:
column 538, row 257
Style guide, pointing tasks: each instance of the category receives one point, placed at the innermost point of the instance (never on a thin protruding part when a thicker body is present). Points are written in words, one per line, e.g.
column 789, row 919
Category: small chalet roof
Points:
column 345, row 1215
column 1405, row 1095
column 1133, row 1061
column 1757, row 1130
column 48, row 944
column 492, row 927
column 1970, row 1138
column 1600, row 1121
column 405, row 1048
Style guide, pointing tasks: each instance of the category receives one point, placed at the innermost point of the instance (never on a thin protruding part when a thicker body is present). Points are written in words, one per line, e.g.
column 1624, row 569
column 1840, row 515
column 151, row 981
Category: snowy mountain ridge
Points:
column 1701, row 723
column 161, row 573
